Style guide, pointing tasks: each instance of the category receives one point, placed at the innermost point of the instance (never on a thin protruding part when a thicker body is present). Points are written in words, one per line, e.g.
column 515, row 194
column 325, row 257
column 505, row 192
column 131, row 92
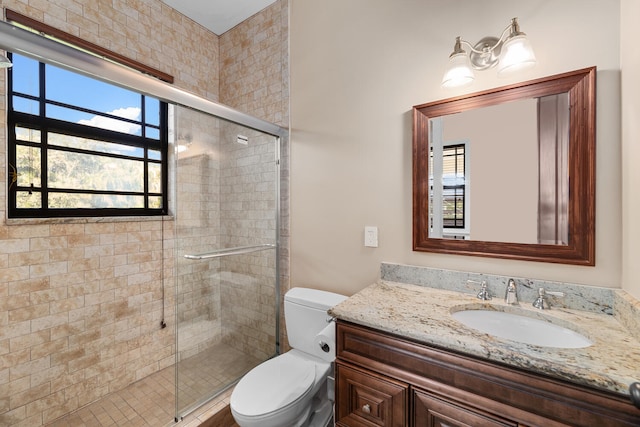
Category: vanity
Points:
column 403, row 360
column 406, row 356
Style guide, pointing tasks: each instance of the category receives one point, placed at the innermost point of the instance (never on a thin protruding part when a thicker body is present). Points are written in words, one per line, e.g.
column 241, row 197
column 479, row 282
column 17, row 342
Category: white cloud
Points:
column 132, row 113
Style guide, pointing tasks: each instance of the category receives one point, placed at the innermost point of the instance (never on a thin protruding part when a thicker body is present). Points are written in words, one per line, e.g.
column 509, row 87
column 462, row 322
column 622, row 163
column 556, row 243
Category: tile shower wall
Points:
column 254, row 78
column 197, row 231
column 247, row 217
column 80, row 302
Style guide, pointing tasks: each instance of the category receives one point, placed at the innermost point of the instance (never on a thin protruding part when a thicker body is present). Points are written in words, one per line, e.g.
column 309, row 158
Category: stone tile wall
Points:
column 247, row 216
column 254, row 78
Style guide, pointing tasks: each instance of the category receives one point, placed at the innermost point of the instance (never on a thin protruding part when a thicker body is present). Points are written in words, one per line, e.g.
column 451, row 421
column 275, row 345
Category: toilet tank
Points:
column 305, row 314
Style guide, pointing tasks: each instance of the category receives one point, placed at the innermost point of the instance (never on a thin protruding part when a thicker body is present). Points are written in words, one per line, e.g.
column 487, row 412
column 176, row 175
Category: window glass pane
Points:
column 75, row 116
column 155, row 178
column 154, row 155
column 27, row 134
column 152, row 133
column 94, row 201
column 94, row 145
column 88, row 92
column 155, row 202
column 25, row 75
column 88, row 172
column 28, row 166
column 152, row 111
column 24, row 200
column 25, row 105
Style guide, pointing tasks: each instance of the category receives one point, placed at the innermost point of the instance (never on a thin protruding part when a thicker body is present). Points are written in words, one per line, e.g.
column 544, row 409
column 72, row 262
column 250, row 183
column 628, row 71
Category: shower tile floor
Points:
column 151, row 401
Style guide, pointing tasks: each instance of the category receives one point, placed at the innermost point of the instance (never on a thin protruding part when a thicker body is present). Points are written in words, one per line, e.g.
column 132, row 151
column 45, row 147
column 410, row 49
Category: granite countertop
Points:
column 423, row 314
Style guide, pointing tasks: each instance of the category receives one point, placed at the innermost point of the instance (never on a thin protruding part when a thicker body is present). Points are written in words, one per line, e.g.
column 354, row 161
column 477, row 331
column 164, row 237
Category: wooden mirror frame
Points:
column 580, row 85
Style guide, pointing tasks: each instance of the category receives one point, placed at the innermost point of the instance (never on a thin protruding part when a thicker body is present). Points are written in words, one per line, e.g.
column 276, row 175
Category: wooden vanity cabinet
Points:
column 384, row 380
column 368, row 399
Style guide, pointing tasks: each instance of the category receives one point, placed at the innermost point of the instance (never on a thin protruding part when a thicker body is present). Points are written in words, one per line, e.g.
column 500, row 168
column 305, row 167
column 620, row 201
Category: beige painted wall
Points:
column 358, row 67
column 630, row 61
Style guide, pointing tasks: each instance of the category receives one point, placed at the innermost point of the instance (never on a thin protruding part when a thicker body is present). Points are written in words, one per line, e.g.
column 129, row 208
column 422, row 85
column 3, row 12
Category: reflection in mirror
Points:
column 519, row 190
column 509, row 172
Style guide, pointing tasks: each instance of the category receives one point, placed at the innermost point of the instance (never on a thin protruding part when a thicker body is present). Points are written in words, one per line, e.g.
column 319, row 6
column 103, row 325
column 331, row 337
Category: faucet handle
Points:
column 484, row 292
column 541, row 302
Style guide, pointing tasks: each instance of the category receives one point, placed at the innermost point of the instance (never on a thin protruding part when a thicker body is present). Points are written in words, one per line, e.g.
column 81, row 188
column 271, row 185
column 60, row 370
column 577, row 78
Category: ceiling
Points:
column 218, row 15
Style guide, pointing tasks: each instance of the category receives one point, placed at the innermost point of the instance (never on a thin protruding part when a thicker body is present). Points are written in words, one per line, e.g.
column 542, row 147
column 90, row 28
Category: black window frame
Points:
column 458, row 220
column 45, row 125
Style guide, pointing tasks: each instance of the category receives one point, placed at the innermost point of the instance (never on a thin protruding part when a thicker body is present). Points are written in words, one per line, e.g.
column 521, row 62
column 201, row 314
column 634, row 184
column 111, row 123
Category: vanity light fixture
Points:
column 4, row 61
column 511, row 52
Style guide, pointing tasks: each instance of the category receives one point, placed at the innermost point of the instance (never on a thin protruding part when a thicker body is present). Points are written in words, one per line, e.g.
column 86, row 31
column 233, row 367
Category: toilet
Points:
column 292, row 390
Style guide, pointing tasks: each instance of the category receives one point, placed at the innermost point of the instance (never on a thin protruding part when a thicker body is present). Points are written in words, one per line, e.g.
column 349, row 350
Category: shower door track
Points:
column 231, row 251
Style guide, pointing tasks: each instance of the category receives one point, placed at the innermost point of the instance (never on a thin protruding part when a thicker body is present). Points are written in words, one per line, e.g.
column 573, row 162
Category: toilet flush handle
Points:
column 324, row 346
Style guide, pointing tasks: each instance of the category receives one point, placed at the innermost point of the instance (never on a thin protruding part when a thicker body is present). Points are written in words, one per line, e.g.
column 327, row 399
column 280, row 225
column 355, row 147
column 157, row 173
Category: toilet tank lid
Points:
column 314, row 298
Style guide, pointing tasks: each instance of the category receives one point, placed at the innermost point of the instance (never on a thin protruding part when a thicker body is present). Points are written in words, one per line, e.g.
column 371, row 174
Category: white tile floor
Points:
column 151, row 401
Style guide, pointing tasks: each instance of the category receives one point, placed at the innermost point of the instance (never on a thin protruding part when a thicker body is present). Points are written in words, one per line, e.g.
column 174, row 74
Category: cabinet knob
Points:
column 366, row 409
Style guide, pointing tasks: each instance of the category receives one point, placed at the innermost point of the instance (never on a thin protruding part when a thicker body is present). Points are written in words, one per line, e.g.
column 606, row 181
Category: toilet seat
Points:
column 273, row 386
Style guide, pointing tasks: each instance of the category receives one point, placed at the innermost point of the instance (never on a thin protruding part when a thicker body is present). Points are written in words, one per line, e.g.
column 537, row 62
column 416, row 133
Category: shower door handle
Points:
column 231, row 251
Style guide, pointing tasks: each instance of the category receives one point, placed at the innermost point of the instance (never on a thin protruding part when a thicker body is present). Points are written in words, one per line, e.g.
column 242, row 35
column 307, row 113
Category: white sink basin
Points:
column 521, row 329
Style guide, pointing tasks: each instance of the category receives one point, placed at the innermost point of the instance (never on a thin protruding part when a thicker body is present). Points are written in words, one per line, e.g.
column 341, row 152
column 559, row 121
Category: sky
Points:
column 87, row 93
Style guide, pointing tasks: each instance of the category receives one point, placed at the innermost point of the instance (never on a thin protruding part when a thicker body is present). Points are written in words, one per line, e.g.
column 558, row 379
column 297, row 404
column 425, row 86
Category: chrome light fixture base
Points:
column 485, row 53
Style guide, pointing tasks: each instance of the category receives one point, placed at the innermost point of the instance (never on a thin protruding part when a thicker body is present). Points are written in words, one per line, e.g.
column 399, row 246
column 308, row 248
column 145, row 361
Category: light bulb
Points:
column 459, row 72
column 517, row 54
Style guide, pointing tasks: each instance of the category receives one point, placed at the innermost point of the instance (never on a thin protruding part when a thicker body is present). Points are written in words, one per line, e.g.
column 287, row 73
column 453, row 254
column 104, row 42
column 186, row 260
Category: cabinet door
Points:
column 365, row 399
column 432, row 411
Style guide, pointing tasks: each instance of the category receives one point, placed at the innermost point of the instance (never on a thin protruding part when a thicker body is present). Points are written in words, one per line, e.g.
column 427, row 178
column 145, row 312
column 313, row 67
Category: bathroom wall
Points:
column 630, row 63
column 351, row 99
column 81, row 302
column 255, row 65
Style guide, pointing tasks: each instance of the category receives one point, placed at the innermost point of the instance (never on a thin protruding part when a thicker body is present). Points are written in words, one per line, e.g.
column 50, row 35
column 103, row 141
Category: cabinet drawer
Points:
column 364, row 399
column 432, row 411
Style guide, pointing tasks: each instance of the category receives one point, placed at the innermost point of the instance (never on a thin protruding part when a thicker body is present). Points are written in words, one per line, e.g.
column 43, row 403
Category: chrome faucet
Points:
column 511, row 294
column 484, row 294
column 541, row 302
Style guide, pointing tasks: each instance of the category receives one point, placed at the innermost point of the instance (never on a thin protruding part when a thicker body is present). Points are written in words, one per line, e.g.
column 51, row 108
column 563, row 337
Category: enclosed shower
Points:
column 218, row 289
column 226, row 254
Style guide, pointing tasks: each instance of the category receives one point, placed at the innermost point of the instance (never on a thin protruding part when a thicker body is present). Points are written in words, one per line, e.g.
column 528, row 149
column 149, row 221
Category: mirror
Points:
column 508, row 172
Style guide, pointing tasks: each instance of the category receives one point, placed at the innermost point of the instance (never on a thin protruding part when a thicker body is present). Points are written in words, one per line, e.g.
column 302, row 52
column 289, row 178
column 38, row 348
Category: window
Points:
column 449, row 199
column 453, row 186
column 82, row 147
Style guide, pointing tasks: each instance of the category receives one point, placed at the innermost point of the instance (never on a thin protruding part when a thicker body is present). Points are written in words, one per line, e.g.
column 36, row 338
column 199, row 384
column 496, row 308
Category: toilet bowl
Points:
column 291, row 390
column 291, row 381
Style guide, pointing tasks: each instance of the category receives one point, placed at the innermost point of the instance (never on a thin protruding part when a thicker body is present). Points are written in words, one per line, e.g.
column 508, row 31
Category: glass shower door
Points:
column 226, row 254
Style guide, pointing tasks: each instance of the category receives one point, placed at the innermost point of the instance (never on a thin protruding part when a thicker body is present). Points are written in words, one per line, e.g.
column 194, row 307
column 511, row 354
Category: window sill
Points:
column 85, row 220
